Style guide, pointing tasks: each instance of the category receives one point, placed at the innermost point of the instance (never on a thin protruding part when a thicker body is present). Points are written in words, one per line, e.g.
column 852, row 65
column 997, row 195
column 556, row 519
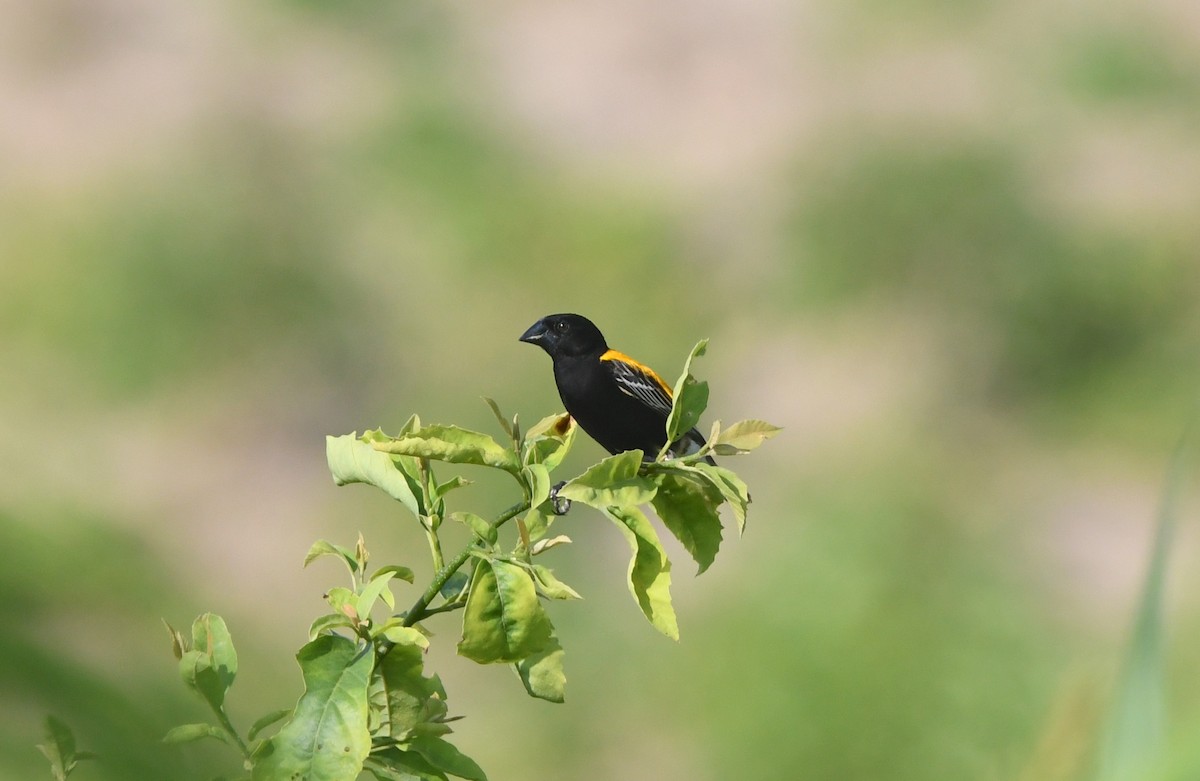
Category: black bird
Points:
column 620, row 403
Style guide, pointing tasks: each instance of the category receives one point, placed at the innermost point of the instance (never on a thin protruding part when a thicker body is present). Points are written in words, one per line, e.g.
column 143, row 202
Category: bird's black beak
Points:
column 536, row 333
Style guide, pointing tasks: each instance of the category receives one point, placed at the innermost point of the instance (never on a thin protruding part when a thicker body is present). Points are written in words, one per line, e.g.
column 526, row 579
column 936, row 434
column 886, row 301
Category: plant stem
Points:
column 228, row 727
column 435, row 545
column 446, row 608
column 418, row 610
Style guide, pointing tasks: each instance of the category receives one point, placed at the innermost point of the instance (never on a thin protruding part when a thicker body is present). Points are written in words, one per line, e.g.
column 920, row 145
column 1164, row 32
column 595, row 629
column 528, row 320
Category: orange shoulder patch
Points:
column 613, row 355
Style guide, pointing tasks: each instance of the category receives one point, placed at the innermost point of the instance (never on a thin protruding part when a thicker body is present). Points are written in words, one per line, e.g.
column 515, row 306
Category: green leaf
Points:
column 343, row 600
column 551, row 586
column 730, row 486
column 326, row 739
column 266, row 721
column 742, row 437
column 354, row 461
column 541, row 546
column 179, row 643
column 325, row 548
column 186, row 733
column 210, row 635
column 398, row 633
column 542, row 673
column 59, row 748
column 1137, row 724
column 611, row 482
column 537, row 521
column 503, row 620
column 455, row 585
column 361, row 555
column 328, row 623
column 714, row 433
column 374, row 590
column 537, row 481
column 395, row 764
column 504, row 424
column 402, row 692
column 412, row 424
column 688, row 506
column 453, row 483
column 211, row 666
column 549, row 441
column 689, row 398
column 454, row 445
column 478, row 526
column 402, row 573
column 445, row 757
column 649, row 569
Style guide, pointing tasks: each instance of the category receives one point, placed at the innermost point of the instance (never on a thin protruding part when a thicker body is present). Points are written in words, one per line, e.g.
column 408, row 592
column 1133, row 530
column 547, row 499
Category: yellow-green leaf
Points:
column 649, row 569
column 743, row 436
column 503, row 620
column 611, row 482
column 454, row 445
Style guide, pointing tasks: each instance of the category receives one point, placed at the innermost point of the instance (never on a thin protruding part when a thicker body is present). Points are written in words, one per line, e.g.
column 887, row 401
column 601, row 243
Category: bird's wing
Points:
column 639, row 381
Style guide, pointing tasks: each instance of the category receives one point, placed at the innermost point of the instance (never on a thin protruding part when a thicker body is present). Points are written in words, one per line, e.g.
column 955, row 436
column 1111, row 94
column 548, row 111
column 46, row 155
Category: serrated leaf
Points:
column 542, row 673
column 611, row 482
column 325, row 548
column 326, row 739
column 445, row 757
column 186, row 733
column 453, row 445
column 376, row 589
column 649, row 569
column 273, row 717
column 352, row 460
column 503, row 620
column 689, row 398
column 478, row 526
column 688, row 506
column 742, row 437
column 551, row 586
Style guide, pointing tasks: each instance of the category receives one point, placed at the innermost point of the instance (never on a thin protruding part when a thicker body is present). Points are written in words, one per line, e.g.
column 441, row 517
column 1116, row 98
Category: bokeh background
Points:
column 951, row 246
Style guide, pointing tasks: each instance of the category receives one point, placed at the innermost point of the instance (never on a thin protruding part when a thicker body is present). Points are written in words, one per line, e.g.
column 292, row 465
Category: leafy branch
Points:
column 367, row 703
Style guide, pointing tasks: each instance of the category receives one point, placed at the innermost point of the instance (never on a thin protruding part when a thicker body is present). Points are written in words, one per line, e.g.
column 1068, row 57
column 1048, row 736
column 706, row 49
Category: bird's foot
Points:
column 561, row 505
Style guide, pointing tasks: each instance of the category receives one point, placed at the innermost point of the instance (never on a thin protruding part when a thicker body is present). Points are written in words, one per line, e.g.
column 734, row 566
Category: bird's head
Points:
column 566, row 335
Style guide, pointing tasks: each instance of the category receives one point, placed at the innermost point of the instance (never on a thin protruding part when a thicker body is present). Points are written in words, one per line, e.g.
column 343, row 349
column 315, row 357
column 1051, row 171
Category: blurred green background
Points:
column 951, row 246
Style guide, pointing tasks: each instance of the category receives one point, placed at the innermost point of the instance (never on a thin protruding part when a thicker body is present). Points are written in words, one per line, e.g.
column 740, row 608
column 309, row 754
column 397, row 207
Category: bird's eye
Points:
column 560, row 326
